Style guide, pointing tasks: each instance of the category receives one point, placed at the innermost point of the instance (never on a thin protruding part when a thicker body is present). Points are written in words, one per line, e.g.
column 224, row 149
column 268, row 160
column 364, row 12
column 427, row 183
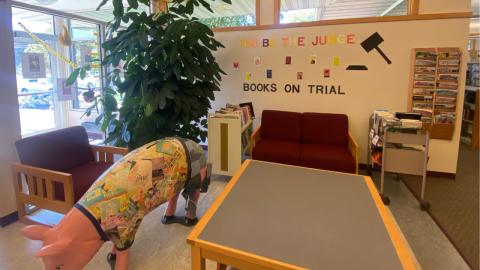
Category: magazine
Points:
column 425, row 62
column 447, row 84
column 422, row 54
column 426, row 119
column 447, row 92
column 424, row 76
column 450, row 54
column 445, row 118
column 445, row 106
column 448, row 76
column 423, row 105
column 446, row 99
column 423, row 98
column 424, row 83
column 448, row 69
column 423, row 91
column 449, row 62
column 425, row 69
column 424, row 112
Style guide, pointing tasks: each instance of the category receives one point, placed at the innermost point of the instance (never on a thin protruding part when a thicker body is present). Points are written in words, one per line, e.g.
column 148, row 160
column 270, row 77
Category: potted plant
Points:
column 170, row 74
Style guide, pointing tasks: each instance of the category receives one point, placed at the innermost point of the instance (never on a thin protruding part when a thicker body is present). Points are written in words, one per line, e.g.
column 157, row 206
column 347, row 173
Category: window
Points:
column 238, row 14
column 306, row 11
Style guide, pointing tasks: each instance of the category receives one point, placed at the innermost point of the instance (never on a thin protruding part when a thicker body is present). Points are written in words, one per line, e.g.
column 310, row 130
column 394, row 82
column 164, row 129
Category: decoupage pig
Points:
column 115, row 205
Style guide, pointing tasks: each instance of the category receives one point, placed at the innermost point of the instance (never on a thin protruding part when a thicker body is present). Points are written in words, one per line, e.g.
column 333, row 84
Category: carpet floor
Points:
column 455, row 204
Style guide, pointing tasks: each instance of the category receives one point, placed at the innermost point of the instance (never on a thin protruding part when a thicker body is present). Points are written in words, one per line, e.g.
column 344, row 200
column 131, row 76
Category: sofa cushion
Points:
column 60, row 150
column 279, row 125
column 327, row 157
column 83, row 177
column 277, row 151
column 325, row 128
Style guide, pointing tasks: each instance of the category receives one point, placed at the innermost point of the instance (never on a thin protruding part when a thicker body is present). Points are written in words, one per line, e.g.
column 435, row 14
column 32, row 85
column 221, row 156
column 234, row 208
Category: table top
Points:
column 304, row 218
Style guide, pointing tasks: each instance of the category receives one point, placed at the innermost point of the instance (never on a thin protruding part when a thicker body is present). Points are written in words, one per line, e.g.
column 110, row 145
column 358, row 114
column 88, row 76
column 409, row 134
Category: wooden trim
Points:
column 350, row 21
column 254, row 140
column 397, row 241
column 257, row 15
column 354, row 149
column 105, row 153
column 41, row 181
column 276, row 12
column 413, row 7
column 206, row 218
column 240, row 259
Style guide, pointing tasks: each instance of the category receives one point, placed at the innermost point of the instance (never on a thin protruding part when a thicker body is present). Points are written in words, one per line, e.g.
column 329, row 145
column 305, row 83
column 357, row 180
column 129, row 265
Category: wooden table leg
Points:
column 221, row 266
column 198, row 263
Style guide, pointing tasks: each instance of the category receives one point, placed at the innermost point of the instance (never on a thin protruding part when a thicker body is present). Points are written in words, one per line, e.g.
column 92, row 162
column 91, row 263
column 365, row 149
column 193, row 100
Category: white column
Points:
column 266, row 12
column 10, row 130
column 62, row 70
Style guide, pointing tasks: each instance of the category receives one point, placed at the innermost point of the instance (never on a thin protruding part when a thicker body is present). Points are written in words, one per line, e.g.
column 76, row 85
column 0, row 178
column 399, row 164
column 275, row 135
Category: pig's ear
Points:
column 54, row 249
column 35, row 232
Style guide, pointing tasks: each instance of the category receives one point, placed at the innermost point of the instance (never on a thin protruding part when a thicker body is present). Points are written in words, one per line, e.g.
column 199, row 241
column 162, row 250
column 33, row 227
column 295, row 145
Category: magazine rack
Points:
column 436, row 130
column 225, row 145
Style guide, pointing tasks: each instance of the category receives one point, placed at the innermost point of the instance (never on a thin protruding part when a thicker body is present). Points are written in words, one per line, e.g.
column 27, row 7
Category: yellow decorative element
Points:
column 224, row 146
column 95, row 66
column 94, row 53
column 95, row 34
column 65, row 37
column 46, row 46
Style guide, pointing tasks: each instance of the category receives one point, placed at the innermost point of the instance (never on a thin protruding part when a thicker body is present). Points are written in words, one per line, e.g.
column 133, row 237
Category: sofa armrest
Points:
column 353, row 147
column 105, row 153
column 254, row 140
column 41, row 190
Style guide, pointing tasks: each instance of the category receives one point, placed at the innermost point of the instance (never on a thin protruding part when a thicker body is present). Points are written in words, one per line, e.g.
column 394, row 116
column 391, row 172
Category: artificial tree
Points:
column 170, row 74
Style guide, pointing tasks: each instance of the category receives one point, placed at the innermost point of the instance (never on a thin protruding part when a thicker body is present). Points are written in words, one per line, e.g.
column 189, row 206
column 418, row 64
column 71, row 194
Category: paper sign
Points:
column 375, row 140
column 86, row 55
column 336, row 61
column 63, row 92
column 235, row 66
column 249, row 76
column 288, row 60
column 257, row 61
column 313, row 59
column 326, row 73
column 33, row 66
column 372, row 133
column 299, row 75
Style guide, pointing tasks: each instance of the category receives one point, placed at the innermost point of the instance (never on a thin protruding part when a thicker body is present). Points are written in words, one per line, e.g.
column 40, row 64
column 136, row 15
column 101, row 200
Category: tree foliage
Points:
column 170, row 74
column 232, row 21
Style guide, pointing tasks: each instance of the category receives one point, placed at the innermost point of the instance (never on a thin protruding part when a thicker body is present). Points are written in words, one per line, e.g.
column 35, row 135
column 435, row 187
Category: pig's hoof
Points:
column 112, row 259
column 179, row 220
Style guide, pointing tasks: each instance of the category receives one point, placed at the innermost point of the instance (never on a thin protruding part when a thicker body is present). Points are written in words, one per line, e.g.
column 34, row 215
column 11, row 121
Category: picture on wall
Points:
column 235, row 66
column 299, row 75
column 64, row 92
column 86, row 54
column 313, row 59
column 336, row 61
column 288, row 60
column 269, row 73
column 257, row 61
column 326, row 73
column 249, row 76
column 373, row 42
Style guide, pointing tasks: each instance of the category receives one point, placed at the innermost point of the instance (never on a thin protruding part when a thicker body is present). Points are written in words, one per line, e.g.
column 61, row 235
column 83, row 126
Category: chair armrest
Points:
column 105, row 153
column 254, row 140
column 353, row 148
column 41, row 190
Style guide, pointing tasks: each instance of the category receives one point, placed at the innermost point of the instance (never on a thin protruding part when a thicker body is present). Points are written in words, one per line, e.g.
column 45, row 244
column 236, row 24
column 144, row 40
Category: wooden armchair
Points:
column 58, row 168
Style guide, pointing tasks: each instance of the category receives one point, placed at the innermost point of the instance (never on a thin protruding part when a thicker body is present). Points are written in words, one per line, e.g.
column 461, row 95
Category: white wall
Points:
column 266, row 12
column 10, row 118
column 444, row 6
column 383, row 86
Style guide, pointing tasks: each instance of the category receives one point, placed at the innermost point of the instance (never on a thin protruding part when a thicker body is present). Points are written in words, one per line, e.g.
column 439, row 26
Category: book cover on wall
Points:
column 424, row 69
column 249, row 105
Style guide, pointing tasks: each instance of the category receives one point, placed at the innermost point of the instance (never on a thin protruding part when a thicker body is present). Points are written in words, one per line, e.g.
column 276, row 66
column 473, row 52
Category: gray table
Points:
column 273, row 216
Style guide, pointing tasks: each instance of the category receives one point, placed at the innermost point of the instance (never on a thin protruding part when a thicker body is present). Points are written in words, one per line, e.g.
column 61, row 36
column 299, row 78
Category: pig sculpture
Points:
column 115, row 205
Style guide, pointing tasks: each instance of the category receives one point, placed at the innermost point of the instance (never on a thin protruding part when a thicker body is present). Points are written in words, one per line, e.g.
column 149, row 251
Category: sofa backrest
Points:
column 280, row 125
column 325, row 128
column 59, row 150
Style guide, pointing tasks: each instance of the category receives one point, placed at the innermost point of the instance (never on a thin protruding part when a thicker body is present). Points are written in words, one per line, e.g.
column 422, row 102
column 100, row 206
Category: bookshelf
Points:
column 228, row 141
column 425, row 80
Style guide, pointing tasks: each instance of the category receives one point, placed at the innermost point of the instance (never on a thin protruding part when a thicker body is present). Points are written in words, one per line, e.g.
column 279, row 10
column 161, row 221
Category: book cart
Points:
column 399, row 160
column 225, row 146
column 427, row 77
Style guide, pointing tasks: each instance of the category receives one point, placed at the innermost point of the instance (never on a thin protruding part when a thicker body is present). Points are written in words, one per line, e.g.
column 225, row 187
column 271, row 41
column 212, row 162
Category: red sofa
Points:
column 314, row 140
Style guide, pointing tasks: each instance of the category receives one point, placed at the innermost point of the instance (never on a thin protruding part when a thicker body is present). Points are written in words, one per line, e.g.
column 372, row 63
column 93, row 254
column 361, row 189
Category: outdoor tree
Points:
column 170, row 74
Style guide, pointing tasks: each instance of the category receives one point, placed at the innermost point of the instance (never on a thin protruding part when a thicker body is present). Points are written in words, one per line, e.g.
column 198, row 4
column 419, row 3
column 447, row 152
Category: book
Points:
column 450, row 54
column 449, row 62
column 445, row 99
column 424, row 112
column 422, row 105
column 423, row 98
column 424, row 69
column 422, row 54
column 445, row 106
column 448, row 76
column 447, row 92
column 425, row 62
column 423, row 91
column 445, row 118
column 424, row 83
column 447, row 84
column 424, row 76
column 250, row 105
column 448, row 69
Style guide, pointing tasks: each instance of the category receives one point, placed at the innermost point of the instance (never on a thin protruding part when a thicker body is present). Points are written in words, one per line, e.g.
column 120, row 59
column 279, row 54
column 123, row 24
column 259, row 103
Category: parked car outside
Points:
column 34, row 85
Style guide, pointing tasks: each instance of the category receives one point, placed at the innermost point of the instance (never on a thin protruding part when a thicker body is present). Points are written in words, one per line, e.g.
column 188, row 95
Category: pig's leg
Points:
column 123, row 260
column 197, row 195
